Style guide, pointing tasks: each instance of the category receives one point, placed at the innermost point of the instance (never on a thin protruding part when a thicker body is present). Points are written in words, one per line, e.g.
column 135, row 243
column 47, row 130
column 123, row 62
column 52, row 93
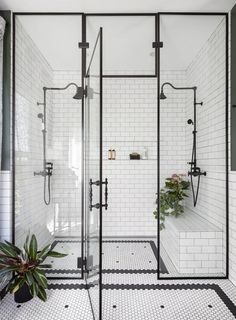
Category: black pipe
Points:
column 195, row 171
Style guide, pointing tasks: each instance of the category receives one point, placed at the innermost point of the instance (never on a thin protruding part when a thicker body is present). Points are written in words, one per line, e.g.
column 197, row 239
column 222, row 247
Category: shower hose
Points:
column 47, row 185
column 193, row 163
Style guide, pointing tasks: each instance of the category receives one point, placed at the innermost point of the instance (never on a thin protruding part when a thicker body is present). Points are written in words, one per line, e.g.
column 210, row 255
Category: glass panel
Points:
column 48, row 129
column 192, row 146
column 125, row 52
column 93, row 176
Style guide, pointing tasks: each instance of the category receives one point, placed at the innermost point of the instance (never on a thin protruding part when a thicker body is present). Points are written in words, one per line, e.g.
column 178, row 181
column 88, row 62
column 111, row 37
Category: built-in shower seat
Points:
column 193, row 244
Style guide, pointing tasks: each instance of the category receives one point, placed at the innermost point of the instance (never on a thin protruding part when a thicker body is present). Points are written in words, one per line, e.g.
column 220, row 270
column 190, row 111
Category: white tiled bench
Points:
column 193, row 244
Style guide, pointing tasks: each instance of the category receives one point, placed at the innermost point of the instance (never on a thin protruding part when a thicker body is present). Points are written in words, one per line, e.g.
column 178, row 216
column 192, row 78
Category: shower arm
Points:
column 63, row 88
column 177, row 88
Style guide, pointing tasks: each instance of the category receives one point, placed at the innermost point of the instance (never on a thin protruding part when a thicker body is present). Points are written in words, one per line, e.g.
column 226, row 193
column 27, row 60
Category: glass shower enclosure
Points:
column 93, row 177
column 193, row 145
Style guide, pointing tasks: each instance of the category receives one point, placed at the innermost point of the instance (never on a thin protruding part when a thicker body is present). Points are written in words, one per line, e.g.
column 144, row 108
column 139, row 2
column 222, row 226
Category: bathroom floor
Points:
column 130, row 291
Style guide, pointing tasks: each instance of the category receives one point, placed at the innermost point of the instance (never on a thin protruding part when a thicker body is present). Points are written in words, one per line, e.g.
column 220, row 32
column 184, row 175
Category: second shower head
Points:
column 162, row 95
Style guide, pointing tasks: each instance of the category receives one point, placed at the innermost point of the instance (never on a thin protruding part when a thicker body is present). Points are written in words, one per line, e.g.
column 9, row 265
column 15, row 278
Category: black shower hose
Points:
column 195, row 194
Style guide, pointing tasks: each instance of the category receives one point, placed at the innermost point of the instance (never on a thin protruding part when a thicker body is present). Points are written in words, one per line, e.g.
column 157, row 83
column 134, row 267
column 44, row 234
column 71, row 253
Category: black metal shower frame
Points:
column 156, row 74
column 83, row 72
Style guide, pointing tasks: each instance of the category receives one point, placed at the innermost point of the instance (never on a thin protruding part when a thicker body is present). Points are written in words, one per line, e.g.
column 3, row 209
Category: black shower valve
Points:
column 196, row 172
column 49, row 168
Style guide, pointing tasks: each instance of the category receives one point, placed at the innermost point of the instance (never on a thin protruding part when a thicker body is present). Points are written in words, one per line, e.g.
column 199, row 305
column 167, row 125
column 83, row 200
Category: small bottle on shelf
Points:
column 109, row 154
column 113, row 152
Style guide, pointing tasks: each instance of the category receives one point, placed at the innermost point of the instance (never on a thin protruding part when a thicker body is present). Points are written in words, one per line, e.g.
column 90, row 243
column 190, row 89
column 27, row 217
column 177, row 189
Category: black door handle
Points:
column 97, row 205
column 105, row 193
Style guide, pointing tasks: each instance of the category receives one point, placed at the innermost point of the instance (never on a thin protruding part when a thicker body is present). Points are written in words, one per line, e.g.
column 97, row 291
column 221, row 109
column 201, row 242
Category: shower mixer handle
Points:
column 40, row 173
column 49, row 168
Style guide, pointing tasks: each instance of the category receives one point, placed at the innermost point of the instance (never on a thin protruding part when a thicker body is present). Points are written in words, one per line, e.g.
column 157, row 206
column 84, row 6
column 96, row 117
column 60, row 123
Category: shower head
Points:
column 190, row 121
column 79, row 93
column 41, row 116
column 162, row 95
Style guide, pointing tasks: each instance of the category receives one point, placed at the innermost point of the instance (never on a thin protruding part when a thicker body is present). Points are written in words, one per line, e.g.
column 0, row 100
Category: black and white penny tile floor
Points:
column 130, row 290
column 68, row 304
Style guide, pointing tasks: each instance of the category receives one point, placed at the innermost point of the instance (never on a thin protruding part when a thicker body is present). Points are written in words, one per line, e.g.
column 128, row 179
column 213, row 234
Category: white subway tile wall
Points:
column 5, row 206
column 65, row 153
column 130, row 125
column 207, row 72
column 232, row 199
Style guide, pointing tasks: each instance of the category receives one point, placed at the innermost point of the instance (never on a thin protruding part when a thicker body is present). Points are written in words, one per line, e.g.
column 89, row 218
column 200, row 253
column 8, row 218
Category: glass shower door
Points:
column 93, row 176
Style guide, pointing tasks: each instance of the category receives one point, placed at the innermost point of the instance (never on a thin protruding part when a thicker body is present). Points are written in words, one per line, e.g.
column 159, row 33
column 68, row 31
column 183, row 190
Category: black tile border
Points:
column 221, row 294
column 129, row 271
column 191, row 286
column 163, row 269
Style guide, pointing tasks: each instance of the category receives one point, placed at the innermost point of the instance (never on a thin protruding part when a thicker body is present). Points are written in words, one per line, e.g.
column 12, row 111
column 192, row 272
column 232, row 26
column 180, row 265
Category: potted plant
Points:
column 24, row 269
column 171, row 197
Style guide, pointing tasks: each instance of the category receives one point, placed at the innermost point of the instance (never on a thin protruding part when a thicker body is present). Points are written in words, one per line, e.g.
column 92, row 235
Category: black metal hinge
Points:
column 87, row 263
column 80, row 262
column 83, row 45
column 157, row 45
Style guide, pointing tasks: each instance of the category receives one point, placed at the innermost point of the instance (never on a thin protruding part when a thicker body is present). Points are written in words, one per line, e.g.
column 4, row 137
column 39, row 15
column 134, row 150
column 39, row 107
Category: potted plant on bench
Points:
column 24, row 269
column 171, row 198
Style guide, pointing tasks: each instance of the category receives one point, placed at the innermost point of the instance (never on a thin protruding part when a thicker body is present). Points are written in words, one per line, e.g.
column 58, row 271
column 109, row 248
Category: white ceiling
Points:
column 117, row 6
column 57, row 38
column 127, row 40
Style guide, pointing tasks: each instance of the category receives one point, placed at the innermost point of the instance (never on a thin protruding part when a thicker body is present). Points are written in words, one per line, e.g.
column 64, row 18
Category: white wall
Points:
column 65, row 153
column 232, row 205
column 130, row 122
column 207, row 72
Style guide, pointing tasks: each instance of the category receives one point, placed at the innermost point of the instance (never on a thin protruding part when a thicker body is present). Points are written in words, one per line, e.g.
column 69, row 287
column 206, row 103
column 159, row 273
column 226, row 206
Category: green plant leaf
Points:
column 26, row 247
column 33, row 247
column 7, row 261
column 42, row 255
column 34, row 288
column 5, row 271
column 42, row 294
column 41, row 279
column 29, row 278
column 8, row 250
column 55, row 254
column 17, row 250
column 17, row 284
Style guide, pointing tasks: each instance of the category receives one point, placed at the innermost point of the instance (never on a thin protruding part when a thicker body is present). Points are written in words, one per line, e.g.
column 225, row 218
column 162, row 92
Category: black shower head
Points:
column 162, row 95
column 41, row 116
column 190, row 121
column 79, row 93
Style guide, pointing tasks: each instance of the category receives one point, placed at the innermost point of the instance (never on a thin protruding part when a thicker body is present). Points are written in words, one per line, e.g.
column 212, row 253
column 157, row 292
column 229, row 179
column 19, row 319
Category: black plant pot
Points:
column 23, row 294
